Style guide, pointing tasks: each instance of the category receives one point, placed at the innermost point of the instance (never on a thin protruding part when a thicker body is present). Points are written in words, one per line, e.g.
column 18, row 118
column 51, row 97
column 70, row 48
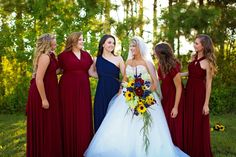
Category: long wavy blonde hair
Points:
column 43, row 46
column 72, row 40
column 208, row 51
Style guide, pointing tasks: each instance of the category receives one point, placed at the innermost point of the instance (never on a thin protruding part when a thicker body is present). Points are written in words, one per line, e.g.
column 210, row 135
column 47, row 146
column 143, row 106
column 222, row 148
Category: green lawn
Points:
column 12, row 136
column 224, row 143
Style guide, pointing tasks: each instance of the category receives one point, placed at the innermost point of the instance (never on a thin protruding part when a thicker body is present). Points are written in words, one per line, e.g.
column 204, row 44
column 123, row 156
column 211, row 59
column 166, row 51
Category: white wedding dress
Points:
column 119, row 134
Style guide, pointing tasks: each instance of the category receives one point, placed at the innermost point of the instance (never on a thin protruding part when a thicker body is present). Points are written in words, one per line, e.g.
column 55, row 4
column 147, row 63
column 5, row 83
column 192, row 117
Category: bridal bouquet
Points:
column 139, row 98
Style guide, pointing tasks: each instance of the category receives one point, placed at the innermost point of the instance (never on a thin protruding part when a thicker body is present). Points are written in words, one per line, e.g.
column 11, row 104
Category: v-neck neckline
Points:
column 79, row 59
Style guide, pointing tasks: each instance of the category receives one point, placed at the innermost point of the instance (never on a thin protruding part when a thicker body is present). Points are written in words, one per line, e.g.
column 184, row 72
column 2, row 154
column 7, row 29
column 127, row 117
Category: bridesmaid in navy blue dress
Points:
column 108, row 67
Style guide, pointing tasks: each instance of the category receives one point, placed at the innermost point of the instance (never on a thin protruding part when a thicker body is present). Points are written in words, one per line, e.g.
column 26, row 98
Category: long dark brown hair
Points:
column 72, row 40
column 102, row 41
column 208, row 51
column 166, row 57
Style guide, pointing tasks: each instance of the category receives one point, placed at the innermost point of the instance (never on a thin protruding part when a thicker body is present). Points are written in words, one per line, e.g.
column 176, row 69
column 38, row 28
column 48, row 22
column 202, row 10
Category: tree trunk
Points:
column 132, row 17
column 171, row 29
column 178, row 46
column 19, row 31
column 200, row 3
column 107, row 24
column 154, row 22
column 140, row 17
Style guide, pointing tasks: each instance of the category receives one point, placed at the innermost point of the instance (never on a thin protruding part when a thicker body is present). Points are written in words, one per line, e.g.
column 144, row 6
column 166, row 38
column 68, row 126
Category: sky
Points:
column 148, row 13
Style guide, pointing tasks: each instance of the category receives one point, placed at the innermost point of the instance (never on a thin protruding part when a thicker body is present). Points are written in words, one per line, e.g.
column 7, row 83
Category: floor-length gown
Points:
column 108, row 85
column 168, row 90
column 43, row 125
column 196, row 125
column 120, row 133
column 75, row 101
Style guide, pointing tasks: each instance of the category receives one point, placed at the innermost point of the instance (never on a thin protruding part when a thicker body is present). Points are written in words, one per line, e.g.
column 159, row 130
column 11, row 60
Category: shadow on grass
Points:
column 13, row 138
column 12, row 135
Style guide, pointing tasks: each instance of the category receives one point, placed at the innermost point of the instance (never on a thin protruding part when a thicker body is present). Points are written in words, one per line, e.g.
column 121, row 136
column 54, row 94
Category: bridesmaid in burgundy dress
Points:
column 43, row 126
column 200, row 73
column 75, row 96
column 171, row 87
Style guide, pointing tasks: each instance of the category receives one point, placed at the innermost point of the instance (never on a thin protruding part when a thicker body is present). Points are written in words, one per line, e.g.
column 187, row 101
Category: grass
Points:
column 224, row 143
column 12, row 136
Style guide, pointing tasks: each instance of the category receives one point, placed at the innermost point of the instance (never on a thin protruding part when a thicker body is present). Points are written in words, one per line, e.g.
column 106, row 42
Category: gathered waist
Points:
column 75, row 71
column 196, row 78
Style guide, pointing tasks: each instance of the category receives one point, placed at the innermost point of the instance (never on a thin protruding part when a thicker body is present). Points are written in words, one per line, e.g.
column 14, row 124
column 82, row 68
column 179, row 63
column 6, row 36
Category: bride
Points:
column 121, row 133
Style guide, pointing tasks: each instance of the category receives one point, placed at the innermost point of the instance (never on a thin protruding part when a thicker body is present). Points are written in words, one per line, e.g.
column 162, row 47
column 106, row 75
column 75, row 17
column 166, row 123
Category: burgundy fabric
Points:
column 196, row 125
column 43, row 125
column 75, row 101
column 168, row 91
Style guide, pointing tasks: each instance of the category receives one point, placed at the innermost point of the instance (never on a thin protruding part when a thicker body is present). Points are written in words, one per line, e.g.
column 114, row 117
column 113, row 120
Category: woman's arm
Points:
column 124, row 79
column 92, row 70
column 184, row 74
column 43, row 63
column 178, row 87
column 122, row 66
column 153, row 75
column 205, row 65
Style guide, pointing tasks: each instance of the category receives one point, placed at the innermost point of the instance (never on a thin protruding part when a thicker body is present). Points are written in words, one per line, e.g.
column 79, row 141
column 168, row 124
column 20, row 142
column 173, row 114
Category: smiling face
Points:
column 198, row 46
column 80, row 43
column 53, row 44
column 109, row 45
column 134, row 49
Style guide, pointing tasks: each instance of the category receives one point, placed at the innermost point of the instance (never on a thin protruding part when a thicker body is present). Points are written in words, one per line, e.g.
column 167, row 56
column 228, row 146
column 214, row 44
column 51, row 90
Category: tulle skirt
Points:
column 120, row 134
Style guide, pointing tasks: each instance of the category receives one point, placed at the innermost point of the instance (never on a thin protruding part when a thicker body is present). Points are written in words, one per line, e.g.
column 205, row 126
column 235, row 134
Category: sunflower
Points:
column 219, row 127
column 144, row 88
column 222, row 128
column 150, row 100
column 141, row 101
column 141, row 108
column 131, row 83
column 129, row 95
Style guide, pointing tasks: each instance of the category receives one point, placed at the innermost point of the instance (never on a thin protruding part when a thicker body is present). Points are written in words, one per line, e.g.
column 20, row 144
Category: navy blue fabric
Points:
column 108, row 85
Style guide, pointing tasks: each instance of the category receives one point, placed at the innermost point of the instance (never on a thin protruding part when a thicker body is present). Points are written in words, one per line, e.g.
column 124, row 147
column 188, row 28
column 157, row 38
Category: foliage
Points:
column 21, row 22
column 14, row 84
column 223, row 99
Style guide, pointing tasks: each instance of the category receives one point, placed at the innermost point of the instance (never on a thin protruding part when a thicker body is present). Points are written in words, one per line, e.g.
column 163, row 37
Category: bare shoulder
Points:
column 129, row 62
column 44, row 57
column 204, row 64
column 43, row 61
column 149, row 64
column 120, row 59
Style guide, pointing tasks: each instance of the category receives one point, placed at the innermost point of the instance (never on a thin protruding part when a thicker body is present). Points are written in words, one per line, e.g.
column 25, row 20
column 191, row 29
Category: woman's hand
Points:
column 45, row 104
column 174, row 112
column 205, row 110
column 153, row 87
column 119, row 92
